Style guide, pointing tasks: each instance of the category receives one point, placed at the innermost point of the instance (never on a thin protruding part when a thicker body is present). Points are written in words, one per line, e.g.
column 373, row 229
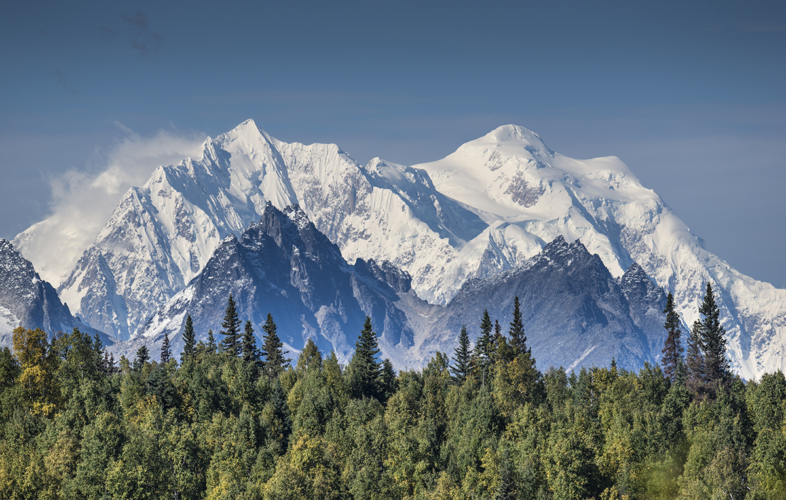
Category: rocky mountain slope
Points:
column 282, row 265
column 487, row 208
column 574, row 311
column 27, row 300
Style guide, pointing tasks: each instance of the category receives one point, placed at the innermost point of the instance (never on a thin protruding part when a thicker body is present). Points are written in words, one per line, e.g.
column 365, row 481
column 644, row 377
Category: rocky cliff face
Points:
column 26, row 300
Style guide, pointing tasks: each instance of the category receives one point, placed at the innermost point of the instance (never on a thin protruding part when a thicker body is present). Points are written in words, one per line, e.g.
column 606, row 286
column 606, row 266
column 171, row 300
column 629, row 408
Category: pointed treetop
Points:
column 231, row 329
column 189, row 341
column 275, row 360
column 166, row 350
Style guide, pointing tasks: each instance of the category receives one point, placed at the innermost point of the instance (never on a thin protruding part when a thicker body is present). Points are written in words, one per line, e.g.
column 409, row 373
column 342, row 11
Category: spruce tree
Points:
column 517, row 338
column 166, row 350
column 387, row 380
column 231, row 329
column 283, row 422
column 483, row 348
column 250, row 352
column 713, row 342
column 211, row 342
column 275, row 362
column 694, row 363
column 672, row 348
column 363, row 371
column 142, row 357
column 496, row 339
column 461, row 358
column 189, row 341
column 505, row 480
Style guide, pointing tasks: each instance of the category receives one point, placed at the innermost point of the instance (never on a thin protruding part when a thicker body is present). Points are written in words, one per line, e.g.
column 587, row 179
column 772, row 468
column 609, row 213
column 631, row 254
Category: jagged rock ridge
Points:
column 28, row 301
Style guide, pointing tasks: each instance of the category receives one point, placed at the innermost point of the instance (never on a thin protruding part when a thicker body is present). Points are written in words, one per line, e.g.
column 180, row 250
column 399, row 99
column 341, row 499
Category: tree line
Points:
column 229, row 420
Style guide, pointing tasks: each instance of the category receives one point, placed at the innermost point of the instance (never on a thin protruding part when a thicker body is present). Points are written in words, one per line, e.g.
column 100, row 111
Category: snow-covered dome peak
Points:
column 512, row 138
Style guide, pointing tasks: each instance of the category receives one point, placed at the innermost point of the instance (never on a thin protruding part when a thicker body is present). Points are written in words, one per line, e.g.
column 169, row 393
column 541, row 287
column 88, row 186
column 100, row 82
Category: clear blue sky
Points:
column 692, row 95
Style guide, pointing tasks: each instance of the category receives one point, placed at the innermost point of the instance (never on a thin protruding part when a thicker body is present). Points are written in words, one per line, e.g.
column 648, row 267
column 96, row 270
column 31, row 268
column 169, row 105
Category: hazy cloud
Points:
column 83, row 200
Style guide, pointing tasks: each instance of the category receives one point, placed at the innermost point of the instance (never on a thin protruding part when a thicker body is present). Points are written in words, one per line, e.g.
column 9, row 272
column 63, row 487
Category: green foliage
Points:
column 166, row 350
column 461, row 358
column 189, row 341
column 275, row 360
column 249, row 345
column 482, row 357
column 363, row 371
column 142, row 358
column 73, row 427
column 231, row 329
column 672, row 348
column 518, row 340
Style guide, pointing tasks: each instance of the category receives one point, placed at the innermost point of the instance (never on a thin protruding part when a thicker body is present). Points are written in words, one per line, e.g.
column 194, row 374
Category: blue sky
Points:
column 692, row 95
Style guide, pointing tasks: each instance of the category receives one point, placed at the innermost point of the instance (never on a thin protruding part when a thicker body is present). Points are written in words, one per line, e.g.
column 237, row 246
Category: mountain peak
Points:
column 514, row 135
column 245, row 133
column 247, row 126
column 636, row 271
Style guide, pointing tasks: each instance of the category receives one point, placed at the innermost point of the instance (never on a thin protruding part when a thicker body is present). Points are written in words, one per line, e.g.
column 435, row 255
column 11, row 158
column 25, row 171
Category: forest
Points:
column 230, row 419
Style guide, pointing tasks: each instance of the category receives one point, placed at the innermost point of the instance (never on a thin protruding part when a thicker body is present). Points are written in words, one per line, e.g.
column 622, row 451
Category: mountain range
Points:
column 577, row 313
column 479, row 213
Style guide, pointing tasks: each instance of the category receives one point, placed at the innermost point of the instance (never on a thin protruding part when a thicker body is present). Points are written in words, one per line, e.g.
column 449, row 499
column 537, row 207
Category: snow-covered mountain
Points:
column 27, row 300
column 162, row 234
column 282, row 265
column 532, row 194
column 484, row 209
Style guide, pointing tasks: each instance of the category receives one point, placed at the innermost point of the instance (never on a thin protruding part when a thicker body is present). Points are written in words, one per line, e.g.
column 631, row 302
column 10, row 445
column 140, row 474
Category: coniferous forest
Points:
column 232, row 419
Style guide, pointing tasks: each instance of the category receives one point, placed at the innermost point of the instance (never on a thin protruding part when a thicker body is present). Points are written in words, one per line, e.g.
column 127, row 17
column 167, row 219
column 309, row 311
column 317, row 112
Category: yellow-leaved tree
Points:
column 38, row 364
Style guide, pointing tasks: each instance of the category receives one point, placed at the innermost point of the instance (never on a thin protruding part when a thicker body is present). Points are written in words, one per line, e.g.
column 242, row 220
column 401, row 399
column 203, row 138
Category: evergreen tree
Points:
column 275, row 362
column 108, row 364
column 166, row 350
column 189, row 339
column 363, row 371
column 250, row 351
column 505, row 480
column 211, row 342
column 281, row 414
column 387, row 380
column 496, row 339
column 461, row 359
column 142, row 357
column 483, row 348
column 517, row 338
column 694, row 362
column 672, row 349
column 713, row 342
column 231, row 329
